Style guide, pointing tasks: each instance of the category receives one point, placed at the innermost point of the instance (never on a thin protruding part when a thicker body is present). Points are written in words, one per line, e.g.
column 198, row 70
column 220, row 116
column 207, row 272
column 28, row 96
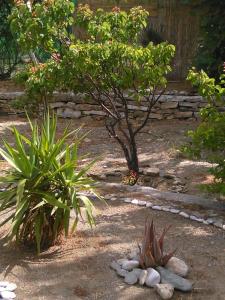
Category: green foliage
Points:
column 211, row 51
column 8, row 48
column 208, row 140
column 43, row 184
column 108, row 64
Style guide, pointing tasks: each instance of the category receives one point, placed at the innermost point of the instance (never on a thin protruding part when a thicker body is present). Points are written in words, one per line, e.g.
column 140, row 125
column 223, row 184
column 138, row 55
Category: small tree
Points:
column 208, row 140
column 108, row 64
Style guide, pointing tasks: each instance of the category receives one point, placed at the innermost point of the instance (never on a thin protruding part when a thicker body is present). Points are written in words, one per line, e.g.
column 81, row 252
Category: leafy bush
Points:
column 43, row 185
column 208, row 140
column 108, row 64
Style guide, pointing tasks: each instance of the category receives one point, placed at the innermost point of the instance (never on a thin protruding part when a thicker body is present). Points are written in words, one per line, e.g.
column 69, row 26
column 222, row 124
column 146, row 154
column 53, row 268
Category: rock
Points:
column 218, row 224
column 176, row 281
column 174, row 211
column 177, row 266
column 11, row 287
column 70, row 113
column 114, row 265
column 164, row 208
column 131, row 278
column 137, row 271
column 4, row 283
column 167, row 105
column 152, row 172
column 141, row 203
column 183, row 114
column 184, row 214
column 130, row 265
column 121, row 261
column 121, row 272
column 194, row 218
column 153, row 277
column 156, row 207
column 165, row 290
column 7, row 295
column 135, row 201
column 149, row 204
column 127, row 200
column 142, row 277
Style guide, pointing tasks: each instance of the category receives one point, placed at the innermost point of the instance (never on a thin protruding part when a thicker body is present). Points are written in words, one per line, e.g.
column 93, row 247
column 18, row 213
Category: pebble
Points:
column 184, row 214
column 223, row 227
column 130, row 265
column 142, row 277
column 177, row 266
column 176, row 281
column 194, row 218
column 113, row 199
column 165, row 290
column 164, row 208
column 153, row 277
column 121, row 261
column 156, row 207
column 131, row 278
column 174, row 211
column 141, row 203
column 134, row 201
column 7, row 295
column 137, row 271
column 149, row 204
column 121, row 272
column 127, row 200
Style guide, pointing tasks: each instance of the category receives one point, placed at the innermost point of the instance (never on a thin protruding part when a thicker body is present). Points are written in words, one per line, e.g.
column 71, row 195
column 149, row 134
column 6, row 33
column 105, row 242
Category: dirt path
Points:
column 79, row 269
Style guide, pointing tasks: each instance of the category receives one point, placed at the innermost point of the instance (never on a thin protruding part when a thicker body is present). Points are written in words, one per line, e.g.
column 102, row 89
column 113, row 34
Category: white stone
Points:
column 156, row 207
column 194, row 218
column 11, row 287
column 121, row 272
column 153, row 277
column 121, row 261
column 4, row 283
column 165, row 290
column 131, row 278
column 134, row 255
column 141, row 203
column 134, row 201
column 149, row 204
column 142, row 277
column 130, row 265
column 137, row 271
column 127, row 200
column 164, row 208
column 7, row 295
column 177, row 266
column 174, row 211
column 184, row 214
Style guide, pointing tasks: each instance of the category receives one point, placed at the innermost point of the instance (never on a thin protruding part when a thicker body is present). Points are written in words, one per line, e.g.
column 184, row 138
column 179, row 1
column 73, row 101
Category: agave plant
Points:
column 44, row 184
column 151, row 251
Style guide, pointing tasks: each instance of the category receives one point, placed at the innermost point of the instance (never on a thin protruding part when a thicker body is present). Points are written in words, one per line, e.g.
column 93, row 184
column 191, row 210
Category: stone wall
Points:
column 174, row 105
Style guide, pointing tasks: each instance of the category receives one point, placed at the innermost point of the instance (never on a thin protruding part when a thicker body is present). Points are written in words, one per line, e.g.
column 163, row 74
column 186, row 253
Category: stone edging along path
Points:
column 216, row 218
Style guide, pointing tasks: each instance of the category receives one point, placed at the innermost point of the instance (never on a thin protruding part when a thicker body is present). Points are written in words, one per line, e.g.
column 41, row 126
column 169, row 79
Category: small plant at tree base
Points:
column 208, row 140
column 151, row 251
column 108, row 65
column 44, row 185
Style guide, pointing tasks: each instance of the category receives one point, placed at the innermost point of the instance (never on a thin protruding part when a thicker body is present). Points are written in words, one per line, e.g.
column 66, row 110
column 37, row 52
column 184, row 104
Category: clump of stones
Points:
column 163, row 279
column 7, row 290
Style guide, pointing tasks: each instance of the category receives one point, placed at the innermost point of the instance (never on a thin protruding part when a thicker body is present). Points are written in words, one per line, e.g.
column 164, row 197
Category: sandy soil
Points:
column 79, row 268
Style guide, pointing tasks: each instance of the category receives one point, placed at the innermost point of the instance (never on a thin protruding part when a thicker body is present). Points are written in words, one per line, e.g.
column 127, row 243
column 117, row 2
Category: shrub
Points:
column 208, row 140
column 43, row 185
column 108, row 64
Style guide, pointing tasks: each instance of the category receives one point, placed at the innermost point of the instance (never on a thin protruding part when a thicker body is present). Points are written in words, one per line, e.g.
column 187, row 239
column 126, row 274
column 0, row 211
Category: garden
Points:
column 112, row 173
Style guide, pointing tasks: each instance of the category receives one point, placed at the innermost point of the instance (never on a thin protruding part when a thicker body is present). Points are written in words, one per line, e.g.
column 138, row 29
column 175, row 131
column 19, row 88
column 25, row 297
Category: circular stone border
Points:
column 168, row 208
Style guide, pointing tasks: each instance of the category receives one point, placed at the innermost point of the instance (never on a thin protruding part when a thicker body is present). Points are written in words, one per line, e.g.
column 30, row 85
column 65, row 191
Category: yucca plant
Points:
column 151, row 251
column 44, row 184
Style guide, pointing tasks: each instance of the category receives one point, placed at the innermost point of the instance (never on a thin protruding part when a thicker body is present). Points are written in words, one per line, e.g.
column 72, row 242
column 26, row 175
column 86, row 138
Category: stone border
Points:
column 172, row 105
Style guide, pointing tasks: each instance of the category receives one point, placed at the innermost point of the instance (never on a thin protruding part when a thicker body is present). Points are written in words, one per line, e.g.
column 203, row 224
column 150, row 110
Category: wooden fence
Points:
column 175, row 22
